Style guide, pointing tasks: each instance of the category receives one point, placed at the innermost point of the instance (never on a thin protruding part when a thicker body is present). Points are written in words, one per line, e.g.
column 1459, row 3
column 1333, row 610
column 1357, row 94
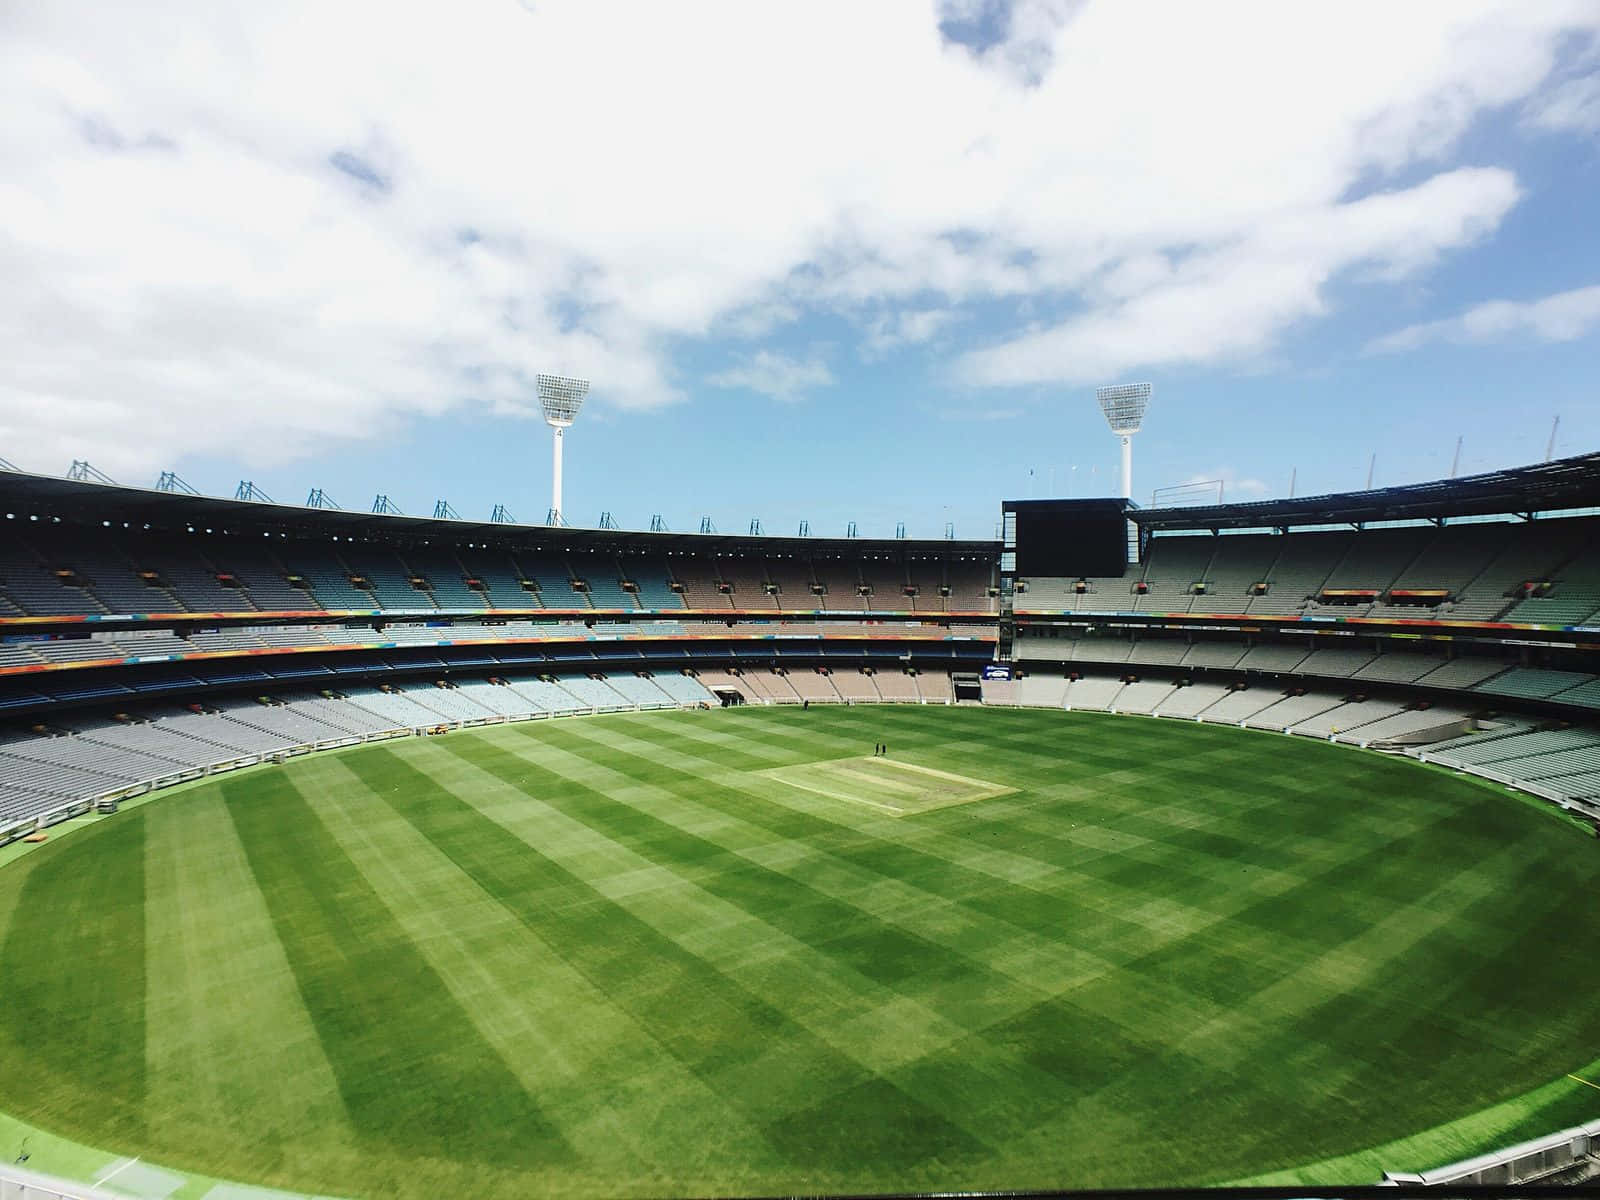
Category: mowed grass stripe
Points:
column 819, row 990
column 11, row 883
column 877, row 950
column 617, row 1092
column 216, row 978
column 1387, row 859
column 976, row 1060
column 1291, row 1049
column 997, row 1088
column 1273, row 937
column 708, row 737
column 1036, row 955
column 1519, row 1119
column 960, row 874
column 415, row 1075
column 1523, row 903
column 1257, row 936
column 1033, row 963
column 963, row 876
column 889, row 926
column 719, row 1029
column 1172, row 1020
column 1048, row 843
column 73, row 967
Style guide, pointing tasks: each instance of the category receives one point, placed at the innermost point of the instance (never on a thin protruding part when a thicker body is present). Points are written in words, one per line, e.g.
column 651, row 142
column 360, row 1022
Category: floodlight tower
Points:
column 560, row 397
column 1124, row 406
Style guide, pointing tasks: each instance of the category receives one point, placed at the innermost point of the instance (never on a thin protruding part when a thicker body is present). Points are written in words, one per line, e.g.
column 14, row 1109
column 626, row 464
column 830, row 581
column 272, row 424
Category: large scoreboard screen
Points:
column 1069, row 538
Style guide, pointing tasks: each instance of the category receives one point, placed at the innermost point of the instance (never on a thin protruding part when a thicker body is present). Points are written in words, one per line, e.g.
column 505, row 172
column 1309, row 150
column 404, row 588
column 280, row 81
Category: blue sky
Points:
column 822, row 262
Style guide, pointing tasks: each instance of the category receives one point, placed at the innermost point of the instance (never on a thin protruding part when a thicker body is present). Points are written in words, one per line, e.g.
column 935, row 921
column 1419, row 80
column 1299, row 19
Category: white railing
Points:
column 19, row 1183
column 1528, row 1162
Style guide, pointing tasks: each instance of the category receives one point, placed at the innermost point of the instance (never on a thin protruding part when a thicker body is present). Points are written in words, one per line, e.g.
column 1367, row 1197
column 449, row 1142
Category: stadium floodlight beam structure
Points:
column 560, row 396
column 1124, row 406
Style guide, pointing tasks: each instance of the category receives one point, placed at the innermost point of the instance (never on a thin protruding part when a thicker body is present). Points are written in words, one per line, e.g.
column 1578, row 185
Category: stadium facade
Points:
column 149, row 637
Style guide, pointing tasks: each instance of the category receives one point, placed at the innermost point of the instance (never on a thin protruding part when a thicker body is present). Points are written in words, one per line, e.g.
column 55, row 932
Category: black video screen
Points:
column 1072, row 539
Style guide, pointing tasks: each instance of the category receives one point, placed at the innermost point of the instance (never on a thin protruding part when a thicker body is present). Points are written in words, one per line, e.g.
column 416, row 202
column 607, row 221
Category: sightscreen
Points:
column 1071, row 537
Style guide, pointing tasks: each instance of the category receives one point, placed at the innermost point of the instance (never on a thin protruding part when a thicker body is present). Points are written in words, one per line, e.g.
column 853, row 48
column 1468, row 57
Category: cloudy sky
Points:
column 822, row 261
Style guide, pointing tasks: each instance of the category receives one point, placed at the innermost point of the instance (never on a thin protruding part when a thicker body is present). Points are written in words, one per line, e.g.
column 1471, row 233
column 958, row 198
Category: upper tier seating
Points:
column 89, row 570
column 603, row 575
column 1298, row 571
column 1171, row 574
column 653, row 577
column 1238, row 563
column 444, row 577
column 1479, row 568
column 1372, row 564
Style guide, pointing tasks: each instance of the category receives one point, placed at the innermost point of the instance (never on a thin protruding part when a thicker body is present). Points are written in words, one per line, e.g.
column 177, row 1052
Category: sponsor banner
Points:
column 292, row 616
column 1282, row 622
column 347, row 647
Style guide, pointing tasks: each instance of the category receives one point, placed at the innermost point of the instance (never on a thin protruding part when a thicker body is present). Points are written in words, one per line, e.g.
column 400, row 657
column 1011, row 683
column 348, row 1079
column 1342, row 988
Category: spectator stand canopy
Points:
column 1565, row 485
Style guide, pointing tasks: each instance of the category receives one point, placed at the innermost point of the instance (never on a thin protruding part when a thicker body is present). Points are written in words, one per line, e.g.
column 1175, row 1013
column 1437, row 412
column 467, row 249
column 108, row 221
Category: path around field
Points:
column 61, row 1161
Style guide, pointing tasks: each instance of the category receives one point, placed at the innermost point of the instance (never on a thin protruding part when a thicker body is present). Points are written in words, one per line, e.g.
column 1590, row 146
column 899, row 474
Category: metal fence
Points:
column 1529, row 1162
column 18, row 1183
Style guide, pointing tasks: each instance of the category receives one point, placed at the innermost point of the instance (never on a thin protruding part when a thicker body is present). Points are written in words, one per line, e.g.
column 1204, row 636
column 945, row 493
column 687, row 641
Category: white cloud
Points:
column 1025, row 47
column 1233, row 301
column 260, row 230
column 908, row 327
column 1573, row 106
column 775, row 375
column 1563, row 317
column 1234, row 485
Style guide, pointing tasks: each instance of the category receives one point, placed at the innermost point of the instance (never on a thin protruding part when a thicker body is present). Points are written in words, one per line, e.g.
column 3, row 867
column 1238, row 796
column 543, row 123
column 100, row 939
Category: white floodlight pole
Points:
column 560, row 396
column 556, row 442
column 1124, row 407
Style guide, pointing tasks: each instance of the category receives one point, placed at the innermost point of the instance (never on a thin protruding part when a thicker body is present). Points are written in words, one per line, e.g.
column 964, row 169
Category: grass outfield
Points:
column 666, row 954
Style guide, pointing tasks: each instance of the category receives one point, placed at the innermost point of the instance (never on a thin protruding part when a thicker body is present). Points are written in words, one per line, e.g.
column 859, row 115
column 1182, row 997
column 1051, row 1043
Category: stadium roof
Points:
column 90, row 502
column 1562, row 484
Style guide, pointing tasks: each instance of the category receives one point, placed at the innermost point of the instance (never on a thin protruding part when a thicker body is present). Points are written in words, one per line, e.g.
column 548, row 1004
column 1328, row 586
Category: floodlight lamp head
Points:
column 1124, row 405
column 561, row 397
